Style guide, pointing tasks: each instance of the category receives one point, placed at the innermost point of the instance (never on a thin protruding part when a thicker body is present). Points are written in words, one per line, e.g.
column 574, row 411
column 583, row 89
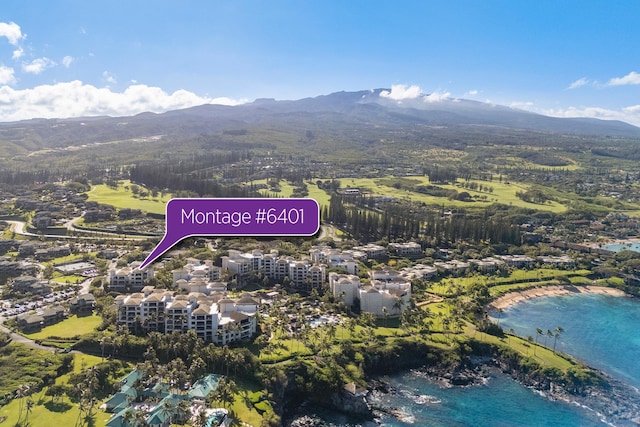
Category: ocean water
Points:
column 500, row 402
column 617, row 247
column 418, row 401
column 603, row 331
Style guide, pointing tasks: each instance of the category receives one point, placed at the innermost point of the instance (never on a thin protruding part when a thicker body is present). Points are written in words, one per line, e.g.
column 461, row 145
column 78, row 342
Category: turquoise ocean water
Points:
column 603, row 331
column 617, row 247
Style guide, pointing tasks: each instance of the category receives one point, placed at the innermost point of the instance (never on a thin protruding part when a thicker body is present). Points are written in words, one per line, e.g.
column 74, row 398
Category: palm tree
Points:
column 28, row 409
column 538, row 333
column 168, row 409
column 128, row 418
column 23, row 391
column 225, row 391
column 183, row 411
column 140, row 418
column 558, row 331
column 201, row 419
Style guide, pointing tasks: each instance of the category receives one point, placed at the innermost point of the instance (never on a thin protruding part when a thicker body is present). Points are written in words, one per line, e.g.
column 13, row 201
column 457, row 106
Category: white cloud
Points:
column 579, row 83
column 400, row 92
column 6, row 75
column 522, row 105
column 437, row 96
column 628, row 114
column 632, row 78
column 76, row 99
column 109, row 78
column 67, row 60
column 17, row 54
column 472, row 92
column 38, row 65
column 12, row 32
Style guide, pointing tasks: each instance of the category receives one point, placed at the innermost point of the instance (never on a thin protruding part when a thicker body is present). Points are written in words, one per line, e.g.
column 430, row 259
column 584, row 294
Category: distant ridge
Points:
column 336, row 112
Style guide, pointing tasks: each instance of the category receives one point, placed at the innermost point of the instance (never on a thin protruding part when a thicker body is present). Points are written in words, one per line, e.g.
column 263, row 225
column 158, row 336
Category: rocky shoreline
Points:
column 616, row 403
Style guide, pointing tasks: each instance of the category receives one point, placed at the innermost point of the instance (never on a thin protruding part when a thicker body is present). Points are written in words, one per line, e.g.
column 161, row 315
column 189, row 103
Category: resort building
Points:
column 334, row 258
column 517, row 261
column 410, row 249
column 372, row 251
column 129, row 277
column 452, row 267
column 344, row 286
column 386, row 295
column 160, row 405
column 419, row 271
column 194, row 269
column 302, row 273
column 212, row 316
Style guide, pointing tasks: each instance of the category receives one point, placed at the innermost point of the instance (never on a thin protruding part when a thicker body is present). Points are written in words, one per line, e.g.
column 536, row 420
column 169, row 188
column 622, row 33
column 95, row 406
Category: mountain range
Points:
column 339, row 113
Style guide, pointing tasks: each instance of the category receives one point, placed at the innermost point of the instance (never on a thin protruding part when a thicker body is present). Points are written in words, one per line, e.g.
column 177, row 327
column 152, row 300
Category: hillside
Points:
column 344, row 115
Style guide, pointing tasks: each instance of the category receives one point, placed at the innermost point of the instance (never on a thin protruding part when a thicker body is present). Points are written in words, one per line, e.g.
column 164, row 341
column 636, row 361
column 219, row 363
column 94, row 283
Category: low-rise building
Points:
column 419, row 271
column 409, row 249
column 372, row 251
column 517, row 261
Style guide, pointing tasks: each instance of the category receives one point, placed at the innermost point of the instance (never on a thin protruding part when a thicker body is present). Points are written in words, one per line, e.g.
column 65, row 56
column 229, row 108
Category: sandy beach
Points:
column 628, row 241
column 554, row 290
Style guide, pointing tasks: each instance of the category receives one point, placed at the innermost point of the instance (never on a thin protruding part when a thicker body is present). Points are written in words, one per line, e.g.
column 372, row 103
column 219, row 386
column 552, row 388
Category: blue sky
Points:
column 74, row 58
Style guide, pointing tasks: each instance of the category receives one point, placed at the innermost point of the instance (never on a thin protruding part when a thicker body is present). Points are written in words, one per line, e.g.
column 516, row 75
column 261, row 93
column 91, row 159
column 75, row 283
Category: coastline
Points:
column 610, row 241
column 516, row 297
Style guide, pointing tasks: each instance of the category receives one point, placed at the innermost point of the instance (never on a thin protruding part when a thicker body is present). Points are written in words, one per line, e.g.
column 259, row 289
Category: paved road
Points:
column 24, row 340
column 328, row 231
column 19, row 227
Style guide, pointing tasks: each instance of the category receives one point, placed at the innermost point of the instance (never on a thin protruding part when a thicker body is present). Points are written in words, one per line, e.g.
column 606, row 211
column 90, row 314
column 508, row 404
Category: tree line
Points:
column 399, row 221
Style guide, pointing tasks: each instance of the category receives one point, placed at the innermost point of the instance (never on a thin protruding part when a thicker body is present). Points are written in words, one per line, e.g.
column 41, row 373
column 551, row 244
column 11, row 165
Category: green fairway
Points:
column 69, row 328
column 503, row 192
column 123, row 198
column 286, row 189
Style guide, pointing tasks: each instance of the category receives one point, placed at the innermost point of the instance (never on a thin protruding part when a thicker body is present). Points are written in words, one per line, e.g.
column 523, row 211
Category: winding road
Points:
column 19, row 227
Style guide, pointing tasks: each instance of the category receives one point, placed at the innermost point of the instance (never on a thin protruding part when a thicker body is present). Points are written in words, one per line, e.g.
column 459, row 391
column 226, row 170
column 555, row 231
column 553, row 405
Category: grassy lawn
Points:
column 63, row 412
column 318, row 195
column 542, row 355
column 69, row 278
column 242, row 406
column 123, row 198
column 502, row 193
column 69, row 328
column 286, row 190
column 518, row 279
column 66, row 259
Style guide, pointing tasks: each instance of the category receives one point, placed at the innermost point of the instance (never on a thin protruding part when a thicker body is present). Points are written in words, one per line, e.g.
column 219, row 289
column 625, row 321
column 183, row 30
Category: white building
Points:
column 410, row 249
column 129, row 277
column 334, row 258
column 388, row 296
column 372, row 251
column 453, row 267
column 517, row 261
column 213, row 317
column 419, row 271
column 197, row 270
column 344, row 286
